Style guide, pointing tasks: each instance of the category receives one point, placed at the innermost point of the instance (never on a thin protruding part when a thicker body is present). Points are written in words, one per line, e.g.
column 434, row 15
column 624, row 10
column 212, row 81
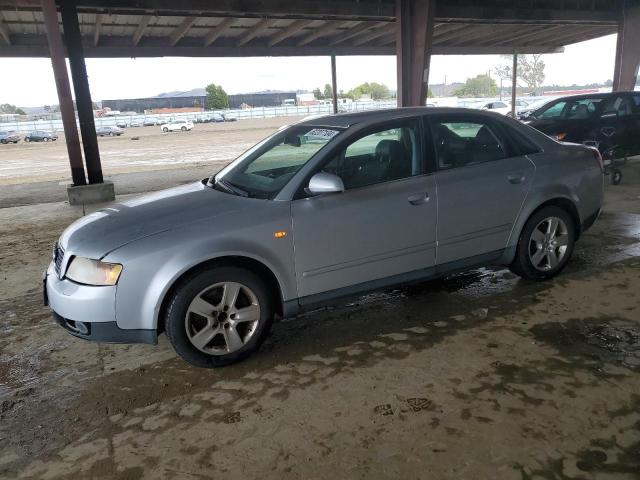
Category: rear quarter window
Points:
column 518, row 142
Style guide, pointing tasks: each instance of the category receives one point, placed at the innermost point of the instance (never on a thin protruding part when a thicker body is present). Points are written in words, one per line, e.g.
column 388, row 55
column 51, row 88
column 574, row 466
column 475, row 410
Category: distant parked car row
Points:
column 35, row 136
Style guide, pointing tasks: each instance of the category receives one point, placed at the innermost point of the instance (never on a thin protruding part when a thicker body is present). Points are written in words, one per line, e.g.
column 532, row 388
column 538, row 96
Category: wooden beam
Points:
column 142, row 27
column 222, row 27
column 478, row 33
column 350, row 33
column 520, row 36
column 254, row 31
column 288, row 31
column 181, row 30
column 4, row 31
column 96, row 29
column 323, row 31
column 452, row 33
column 377, row 33
column 119, row 50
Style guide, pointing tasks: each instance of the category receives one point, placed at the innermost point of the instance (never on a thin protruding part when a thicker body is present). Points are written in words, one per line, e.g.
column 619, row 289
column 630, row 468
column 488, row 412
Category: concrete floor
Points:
column 479, row 376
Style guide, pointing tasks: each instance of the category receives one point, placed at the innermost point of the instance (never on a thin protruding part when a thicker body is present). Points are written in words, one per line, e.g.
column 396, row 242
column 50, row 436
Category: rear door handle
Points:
column 516, row 178
column 418, row 198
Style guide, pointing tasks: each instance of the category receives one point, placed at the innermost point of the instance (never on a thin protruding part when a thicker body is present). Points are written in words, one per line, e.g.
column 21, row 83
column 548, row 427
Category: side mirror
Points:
column 323, row 182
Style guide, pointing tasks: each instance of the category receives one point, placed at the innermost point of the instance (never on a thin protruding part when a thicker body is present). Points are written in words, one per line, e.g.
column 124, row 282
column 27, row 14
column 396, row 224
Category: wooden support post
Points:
column 414, row 34
column 334, row 84
column 514, row 84
column 84, row 105
column 627, row 49
column 63, row 87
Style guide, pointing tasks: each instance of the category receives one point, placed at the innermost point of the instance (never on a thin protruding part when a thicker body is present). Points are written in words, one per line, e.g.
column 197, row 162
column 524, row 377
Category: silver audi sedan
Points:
column 328, row 208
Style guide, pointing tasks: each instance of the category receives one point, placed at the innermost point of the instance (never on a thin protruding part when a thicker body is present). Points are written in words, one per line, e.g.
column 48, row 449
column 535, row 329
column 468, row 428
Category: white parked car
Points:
column 496, row 106
column 175, row 125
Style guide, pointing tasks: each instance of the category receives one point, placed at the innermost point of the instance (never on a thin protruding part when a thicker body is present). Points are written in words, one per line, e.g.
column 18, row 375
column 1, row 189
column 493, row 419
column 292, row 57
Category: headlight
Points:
column 93, row 272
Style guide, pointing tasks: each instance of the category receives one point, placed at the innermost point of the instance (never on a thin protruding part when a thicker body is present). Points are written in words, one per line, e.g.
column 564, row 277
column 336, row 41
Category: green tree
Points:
column 317, row 94
column 480, row 86
column 11, row 109
column 217, row 98
column 377, row 91
column 328, row 91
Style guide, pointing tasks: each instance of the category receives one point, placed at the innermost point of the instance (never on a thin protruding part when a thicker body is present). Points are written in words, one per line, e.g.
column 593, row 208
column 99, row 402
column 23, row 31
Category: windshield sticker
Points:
column 322, row 133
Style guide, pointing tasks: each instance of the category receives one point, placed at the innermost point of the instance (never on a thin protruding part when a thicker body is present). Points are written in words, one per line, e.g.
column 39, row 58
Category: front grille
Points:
column 58, row 255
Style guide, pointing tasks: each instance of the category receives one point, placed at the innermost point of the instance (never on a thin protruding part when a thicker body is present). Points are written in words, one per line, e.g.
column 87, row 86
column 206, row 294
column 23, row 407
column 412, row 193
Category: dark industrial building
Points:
column 195, row 98
column 269, row 98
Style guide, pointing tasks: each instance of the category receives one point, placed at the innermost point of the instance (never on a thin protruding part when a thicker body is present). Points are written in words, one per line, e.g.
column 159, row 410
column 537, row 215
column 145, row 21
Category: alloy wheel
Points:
column 548, row 243
column 222, row 318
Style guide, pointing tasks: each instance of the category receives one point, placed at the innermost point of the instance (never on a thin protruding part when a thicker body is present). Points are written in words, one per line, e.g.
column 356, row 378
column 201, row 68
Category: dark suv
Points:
column 608, row 121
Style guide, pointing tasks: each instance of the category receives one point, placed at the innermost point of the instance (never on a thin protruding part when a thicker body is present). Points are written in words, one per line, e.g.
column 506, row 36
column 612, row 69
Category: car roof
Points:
column 345, row 120
column 593, row 95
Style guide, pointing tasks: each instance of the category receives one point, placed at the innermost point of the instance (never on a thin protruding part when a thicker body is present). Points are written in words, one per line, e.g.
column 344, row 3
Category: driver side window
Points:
column 381, row 156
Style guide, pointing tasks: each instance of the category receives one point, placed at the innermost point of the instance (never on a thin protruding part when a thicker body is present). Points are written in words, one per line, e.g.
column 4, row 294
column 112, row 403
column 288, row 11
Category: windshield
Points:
column 262, row 171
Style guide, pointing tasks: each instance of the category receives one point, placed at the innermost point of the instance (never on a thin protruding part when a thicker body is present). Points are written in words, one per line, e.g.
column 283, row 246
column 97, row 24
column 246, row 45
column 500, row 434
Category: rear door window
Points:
column 617, row 106
column 466, row 141
column 583, row 108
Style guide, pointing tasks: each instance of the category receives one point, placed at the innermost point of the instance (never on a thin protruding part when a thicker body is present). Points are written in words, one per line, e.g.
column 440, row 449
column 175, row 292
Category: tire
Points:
column 182, row 324
column 184, row 129
column 27, row 139
column 616, row 176
column 3, row 141
column 165, row 130
column 111, row 134
column 537, row 258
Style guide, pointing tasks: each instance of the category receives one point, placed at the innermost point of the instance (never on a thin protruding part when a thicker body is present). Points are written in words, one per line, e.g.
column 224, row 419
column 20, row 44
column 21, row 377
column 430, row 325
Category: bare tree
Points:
column 530, row 70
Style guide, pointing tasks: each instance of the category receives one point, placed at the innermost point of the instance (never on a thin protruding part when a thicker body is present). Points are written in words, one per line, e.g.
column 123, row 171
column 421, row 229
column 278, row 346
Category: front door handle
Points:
column 516, row 178
column 418, row 198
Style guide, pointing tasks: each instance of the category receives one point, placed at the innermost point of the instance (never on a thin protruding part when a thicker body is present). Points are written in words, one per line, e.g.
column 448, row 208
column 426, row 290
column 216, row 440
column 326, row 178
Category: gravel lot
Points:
column 208, row 143
column 478, row 376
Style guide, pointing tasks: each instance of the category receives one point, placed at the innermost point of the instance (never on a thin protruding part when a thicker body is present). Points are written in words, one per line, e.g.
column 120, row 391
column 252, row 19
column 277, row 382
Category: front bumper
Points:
column 88, row 311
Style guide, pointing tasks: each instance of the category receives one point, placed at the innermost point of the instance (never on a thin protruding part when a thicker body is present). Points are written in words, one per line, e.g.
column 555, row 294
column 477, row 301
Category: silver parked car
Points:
column 328, row 208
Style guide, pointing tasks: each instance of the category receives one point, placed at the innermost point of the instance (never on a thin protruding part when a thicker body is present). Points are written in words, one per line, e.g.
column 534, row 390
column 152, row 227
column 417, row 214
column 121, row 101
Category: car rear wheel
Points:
column 219, row 316
column 27, row 139
column 545, row 245
column 165, row 129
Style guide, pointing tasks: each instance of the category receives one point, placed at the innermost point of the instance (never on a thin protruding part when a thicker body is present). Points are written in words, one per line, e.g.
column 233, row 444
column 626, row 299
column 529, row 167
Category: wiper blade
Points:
column 230, row 187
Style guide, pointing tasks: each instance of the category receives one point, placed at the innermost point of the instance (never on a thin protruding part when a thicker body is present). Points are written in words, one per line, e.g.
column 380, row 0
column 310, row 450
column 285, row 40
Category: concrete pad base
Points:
column 94, row 193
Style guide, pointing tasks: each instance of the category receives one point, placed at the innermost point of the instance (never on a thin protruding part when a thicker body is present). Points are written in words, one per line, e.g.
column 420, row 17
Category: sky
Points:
column 28, row 82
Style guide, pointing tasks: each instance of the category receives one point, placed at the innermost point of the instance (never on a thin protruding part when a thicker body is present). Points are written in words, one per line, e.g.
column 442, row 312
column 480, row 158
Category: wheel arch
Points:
column 566, row 203
column 251, row 264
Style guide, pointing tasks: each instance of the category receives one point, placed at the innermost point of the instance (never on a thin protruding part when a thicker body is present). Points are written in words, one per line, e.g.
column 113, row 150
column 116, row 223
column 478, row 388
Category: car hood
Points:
column 99, row 233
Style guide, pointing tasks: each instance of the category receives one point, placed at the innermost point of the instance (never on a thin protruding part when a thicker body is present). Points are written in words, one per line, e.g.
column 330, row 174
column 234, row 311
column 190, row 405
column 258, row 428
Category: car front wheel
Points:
column 545, row 245
column 218, row 317
column 165, row 129
column 184, row 129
